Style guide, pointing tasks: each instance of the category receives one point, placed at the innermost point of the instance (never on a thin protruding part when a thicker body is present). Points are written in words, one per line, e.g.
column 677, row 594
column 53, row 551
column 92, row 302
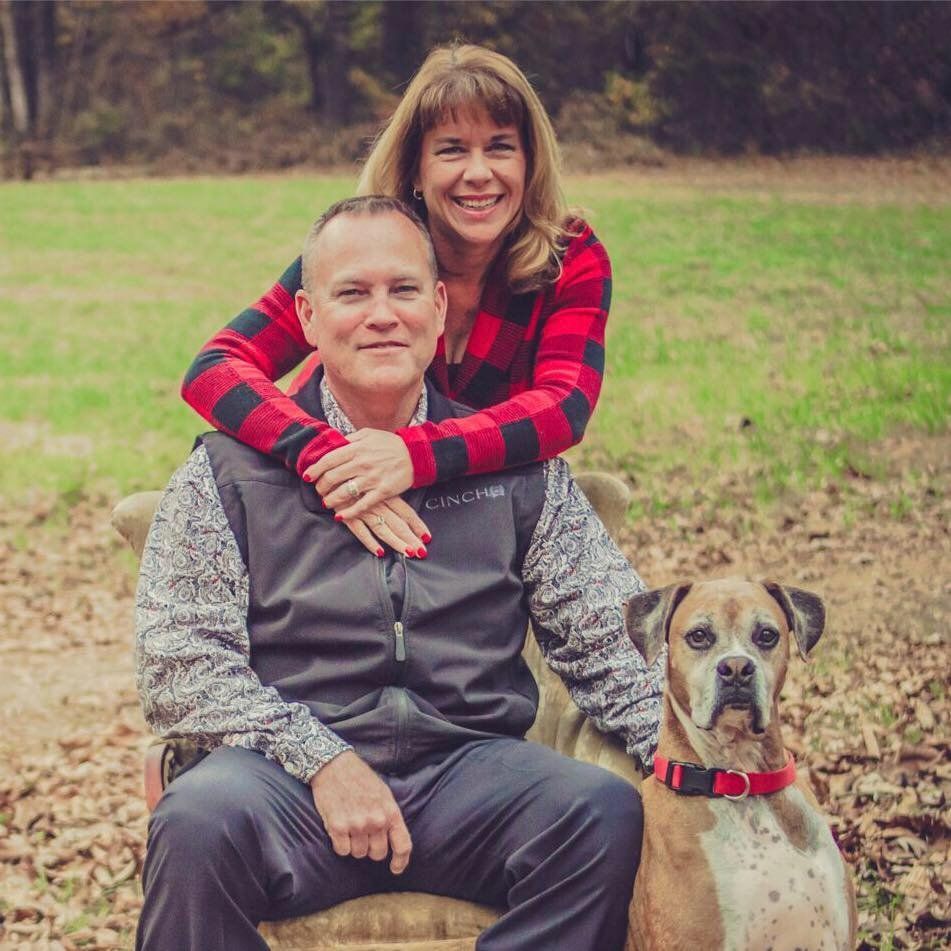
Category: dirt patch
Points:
column 39, row 437
column 868, row 717
column 825, row 180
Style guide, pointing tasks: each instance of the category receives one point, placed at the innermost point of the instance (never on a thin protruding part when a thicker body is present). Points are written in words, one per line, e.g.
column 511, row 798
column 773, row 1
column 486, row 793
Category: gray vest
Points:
column 405, row 659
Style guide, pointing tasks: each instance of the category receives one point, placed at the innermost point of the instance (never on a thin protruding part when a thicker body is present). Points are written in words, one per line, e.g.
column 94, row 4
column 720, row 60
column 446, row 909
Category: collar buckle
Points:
column 694, row 780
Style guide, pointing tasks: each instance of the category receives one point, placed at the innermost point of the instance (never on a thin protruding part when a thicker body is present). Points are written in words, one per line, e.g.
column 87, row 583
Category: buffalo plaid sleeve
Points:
column 563, row 384
column 230, row 383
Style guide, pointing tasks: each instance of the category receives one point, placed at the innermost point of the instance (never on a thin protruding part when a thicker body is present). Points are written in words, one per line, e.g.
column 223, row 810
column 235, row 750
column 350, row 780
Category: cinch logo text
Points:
column 464, row 498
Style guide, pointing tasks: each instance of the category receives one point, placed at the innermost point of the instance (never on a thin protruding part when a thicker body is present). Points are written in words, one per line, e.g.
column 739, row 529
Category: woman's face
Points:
column 472, row 176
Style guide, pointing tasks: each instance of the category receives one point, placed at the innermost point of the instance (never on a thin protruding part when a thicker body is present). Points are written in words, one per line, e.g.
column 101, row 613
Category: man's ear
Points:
column 648, row 617
column 305, row 314
column 805, row 614
column 442, row 303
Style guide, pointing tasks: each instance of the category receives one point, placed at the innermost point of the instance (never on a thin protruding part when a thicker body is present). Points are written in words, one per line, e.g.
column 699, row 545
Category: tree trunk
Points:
column 44, row 36
column 403, row 34
column 15, row 83
column 334, row 64
column 29, row 46
column 309, row 22
column 13, row 67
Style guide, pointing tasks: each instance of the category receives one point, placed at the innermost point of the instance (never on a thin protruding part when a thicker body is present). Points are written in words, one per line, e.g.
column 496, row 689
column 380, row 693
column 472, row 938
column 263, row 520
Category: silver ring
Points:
column 352, row 489
column 380, row 521
column 746, row 782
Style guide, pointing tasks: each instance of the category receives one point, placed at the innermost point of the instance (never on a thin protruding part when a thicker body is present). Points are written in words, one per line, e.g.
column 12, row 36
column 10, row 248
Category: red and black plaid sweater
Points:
column 533, row 365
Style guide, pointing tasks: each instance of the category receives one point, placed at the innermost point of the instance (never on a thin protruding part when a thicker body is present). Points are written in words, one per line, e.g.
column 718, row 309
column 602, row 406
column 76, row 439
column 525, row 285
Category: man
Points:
column 388, row 697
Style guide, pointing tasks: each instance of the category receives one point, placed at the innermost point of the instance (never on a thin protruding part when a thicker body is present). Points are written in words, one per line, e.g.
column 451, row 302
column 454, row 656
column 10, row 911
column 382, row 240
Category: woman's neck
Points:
column 463, row 268
column 463, row 263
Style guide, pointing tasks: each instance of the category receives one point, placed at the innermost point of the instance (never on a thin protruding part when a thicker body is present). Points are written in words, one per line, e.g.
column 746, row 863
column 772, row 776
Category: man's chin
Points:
column 382, row 383
column 388, row 379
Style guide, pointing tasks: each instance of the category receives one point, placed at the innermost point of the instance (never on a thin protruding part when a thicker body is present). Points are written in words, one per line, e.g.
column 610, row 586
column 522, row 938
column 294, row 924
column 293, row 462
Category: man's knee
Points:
column 611, row 819
column 205, row 815
column 618, row 810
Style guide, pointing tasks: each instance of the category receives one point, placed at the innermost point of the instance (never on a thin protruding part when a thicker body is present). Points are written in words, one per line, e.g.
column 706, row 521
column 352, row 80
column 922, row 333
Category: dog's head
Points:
column 728, row 644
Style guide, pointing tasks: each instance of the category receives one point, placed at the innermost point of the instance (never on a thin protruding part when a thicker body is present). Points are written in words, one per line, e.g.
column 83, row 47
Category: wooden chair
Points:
column 411, row 921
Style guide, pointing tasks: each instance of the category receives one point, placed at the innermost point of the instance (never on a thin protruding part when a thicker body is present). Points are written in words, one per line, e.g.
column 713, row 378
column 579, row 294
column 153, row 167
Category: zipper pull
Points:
column 400, row 641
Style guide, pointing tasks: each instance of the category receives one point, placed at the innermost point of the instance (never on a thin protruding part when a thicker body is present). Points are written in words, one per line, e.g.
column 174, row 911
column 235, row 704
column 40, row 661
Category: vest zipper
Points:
column 399, row 653
column 400, row 641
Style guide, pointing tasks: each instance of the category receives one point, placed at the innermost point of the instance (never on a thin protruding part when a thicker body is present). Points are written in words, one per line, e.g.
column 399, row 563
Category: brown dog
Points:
column 736, row 853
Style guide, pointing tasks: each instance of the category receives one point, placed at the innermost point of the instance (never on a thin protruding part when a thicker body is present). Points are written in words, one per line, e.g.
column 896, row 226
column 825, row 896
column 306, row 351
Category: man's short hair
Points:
column 364, row 205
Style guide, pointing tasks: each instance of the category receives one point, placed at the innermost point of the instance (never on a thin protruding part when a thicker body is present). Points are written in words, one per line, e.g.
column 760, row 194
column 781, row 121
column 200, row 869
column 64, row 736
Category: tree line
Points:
column 180, row 84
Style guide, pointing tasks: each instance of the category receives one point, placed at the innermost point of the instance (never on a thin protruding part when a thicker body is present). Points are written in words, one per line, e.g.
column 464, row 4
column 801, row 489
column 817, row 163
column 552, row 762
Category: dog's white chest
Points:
column 771, row 894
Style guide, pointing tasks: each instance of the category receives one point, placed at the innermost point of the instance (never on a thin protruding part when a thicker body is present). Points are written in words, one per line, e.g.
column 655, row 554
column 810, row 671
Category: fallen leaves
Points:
column 72, row 841
column 72, row 819
column 867, row 718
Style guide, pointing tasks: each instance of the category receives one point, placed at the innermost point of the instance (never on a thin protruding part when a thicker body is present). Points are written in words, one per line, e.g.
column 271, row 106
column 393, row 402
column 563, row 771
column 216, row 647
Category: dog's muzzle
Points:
column 736, row 689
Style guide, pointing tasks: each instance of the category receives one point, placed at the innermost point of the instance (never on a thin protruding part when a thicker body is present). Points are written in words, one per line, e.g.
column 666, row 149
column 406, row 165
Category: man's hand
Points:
column 376, row 460
column 359, row 812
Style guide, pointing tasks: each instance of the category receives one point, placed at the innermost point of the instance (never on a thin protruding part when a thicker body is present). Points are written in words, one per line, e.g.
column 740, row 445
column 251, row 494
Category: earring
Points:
column 417, row 194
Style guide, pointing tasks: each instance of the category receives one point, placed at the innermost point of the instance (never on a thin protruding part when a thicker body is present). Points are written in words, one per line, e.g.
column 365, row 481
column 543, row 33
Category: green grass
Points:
column 768, row 339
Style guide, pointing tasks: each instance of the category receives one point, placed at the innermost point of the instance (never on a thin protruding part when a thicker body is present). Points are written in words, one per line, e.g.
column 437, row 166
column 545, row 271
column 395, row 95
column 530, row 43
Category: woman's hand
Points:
column 362, row 482
column 394, row 523
column 352, row 479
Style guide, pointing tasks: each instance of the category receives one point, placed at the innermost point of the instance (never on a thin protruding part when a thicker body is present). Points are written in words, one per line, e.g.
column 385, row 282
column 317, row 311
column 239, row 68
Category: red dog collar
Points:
column 690, row 779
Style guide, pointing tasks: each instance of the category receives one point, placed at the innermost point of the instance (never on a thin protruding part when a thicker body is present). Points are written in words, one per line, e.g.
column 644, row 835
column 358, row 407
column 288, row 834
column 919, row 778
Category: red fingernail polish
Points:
column 307, row 478
column 338, row 518
column 426, row 537
column 410, row 552
column 422, row 553
column 379, row 553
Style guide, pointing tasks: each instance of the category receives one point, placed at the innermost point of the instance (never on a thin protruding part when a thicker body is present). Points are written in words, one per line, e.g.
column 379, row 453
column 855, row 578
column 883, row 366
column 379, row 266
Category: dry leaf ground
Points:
column 868, row 717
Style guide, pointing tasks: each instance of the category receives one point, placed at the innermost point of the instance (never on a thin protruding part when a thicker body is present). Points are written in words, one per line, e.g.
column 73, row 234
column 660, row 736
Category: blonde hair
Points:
column 451, row 80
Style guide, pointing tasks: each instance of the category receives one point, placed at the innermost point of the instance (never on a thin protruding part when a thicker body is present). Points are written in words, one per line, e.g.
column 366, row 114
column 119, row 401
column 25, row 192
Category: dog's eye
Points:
column 766, row 637
column 699, row 638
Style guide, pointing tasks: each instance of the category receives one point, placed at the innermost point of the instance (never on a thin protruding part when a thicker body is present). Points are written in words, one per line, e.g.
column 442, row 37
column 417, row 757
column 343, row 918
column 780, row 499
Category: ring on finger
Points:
column 380, row 521
column 352, row 490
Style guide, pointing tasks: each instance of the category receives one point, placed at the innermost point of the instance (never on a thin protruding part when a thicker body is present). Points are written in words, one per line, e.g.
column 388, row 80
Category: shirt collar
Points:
column 338, row 419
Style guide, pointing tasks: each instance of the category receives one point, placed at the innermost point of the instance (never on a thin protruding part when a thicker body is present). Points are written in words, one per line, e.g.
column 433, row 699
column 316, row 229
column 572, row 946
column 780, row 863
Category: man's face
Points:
column 374, row 310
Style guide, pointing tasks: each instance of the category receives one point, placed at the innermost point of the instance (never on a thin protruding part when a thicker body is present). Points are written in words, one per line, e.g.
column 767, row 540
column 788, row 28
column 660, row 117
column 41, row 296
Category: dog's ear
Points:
column 805, row 614
column 648, row 617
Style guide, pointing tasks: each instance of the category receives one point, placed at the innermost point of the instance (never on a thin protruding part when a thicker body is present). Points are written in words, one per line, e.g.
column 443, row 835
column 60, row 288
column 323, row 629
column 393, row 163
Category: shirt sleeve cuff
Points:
column 421, row 455
column 302, row 757
column 318, row 447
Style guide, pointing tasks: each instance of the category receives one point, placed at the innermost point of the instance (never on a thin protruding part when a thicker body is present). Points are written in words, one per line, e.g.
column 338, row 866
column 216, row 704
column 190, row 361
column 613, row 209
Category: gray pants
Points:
column 510, row 823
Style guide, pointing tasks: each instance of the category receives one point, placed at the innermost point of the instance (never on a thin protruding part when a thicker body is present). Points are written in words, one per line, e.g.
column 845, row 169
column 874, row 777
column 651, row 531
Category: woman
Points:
column 472, row 150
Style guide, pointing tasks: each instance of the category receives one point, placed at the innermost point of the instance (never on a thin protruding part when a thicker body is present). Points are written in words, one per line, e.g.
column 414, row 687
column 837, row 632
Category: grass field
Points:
column 777, row 394
column 775, row 335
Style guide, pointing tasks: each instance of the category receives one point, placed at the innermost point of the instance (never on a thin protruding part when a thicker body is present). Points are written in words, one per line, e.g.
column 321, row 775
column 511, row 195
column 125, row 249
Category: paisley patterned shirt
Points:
column 193, row 650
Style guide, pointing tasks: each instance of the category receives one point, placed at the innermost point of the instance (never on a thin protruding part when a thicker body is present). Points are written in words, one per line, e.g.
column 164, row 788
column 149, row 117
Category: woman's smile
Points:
column 477, row 203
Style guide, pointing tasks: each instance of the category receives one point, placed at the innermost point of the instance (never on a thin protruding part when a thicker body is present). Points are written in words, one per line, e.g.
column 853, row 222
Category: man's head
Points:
column 371, row 303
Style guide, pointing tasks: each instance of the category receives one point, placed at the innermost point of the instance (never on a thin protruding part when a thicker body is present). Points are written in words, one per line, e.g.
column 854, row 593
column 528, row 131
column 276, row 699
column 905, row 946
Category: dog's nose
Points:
column 736, row 671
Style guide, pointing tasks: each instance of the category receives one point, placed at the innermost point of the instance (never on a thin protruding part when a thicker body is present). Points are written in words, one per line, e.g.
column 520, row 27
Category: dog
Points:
column 736, row 852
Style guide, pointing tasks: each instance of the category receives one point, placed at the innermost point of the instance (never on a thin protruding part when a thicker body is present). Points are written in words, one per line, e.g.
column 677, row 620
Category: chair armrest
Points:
column 132, row 517
column 609, row 497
